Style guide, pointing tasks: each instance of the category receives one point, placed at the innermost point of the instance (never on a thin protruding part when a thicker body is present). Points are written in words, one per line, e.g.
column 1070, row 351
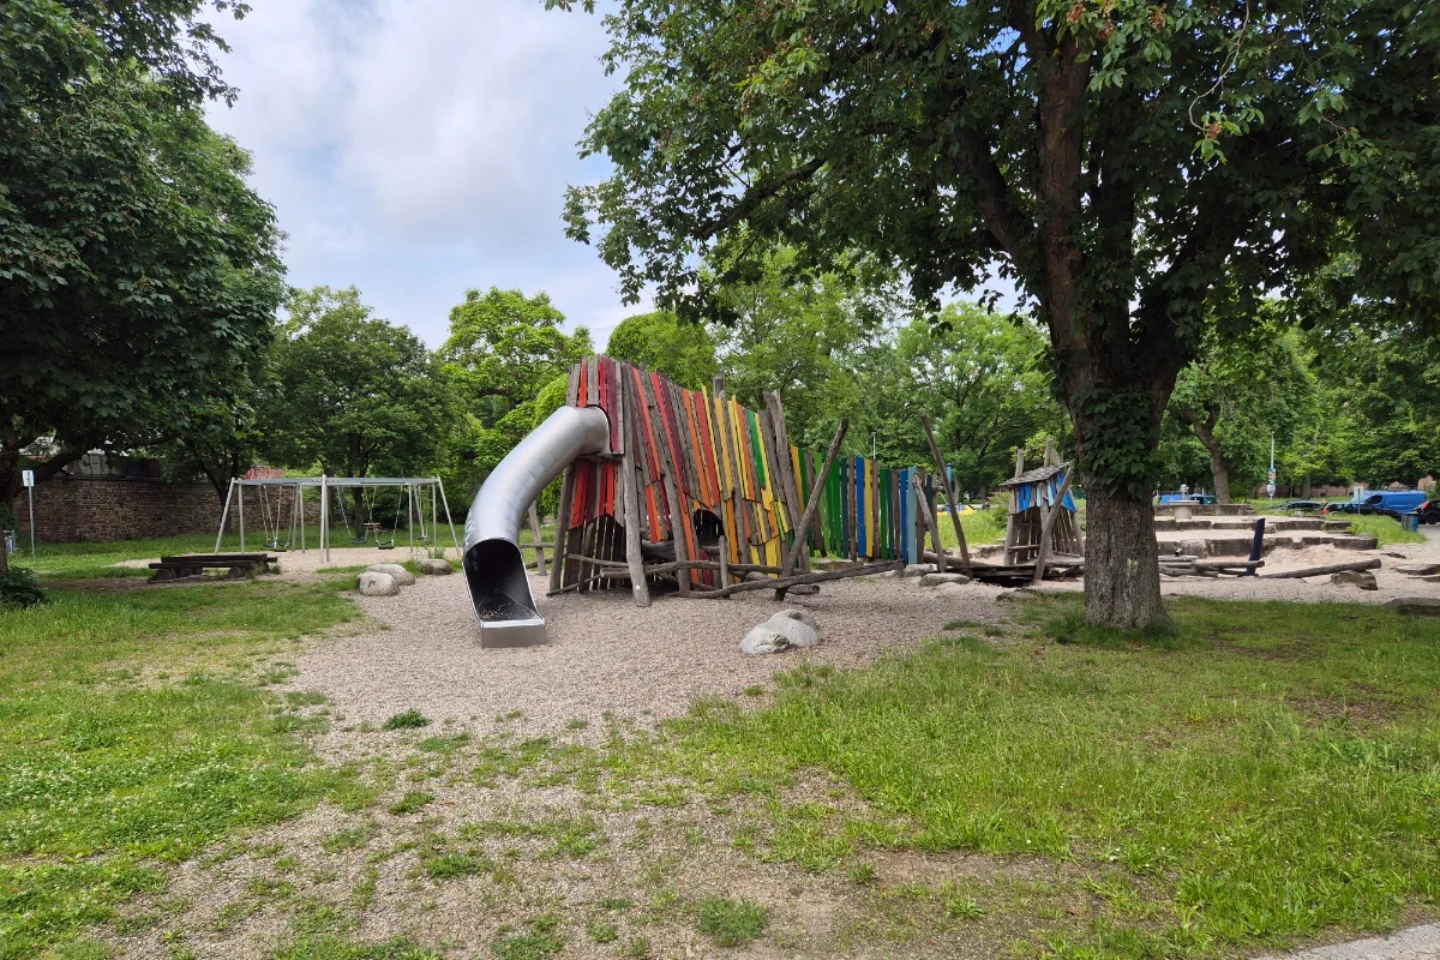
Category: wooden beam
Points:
column 535, row 537
column 1320, row 571
column 812, row 505
column 636, row 563
column 930, row 522
column 799, row 578
column 949, row 492
column 1047, row 525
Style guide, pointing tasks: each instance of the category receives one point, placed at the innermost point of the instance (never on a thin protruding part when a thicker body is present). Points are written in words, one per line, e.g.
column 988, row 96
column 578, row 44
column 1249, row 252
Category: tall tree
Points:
column 1139, row 171
column 979, row 375
column 683, row 351
column 797, row 332
column 503, row 349
column 136, row 266
column 1238, row 396
column 353, row 392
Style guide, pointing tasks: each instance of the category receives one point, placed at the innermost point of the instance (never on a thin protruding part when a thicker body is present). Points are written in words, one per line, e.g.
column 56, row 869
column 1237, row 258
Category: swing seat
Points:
column 359, row 541
column 385, row 544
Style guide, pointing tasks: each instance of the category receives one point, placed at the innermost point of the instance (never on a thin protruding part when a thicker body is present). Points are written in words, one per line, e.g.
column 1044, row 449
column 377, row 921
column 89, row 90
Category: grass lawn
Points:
column 1268, row 772
column 1265, row 774
column 135, row 731
column 1386, row 529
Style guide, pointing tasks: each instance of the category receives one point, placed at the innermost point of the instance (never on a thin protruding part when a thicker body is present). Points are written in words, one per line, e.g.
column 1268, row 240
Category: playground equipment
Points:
column 687, row 488
column 415, row 489
column 494, row 567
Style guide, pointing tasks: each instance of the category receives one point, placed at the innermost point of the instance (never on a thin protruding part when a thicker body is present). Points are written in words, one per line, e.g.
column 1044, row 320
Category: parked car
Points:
column 1429, row 512
column 1206, row 498
column 1390, row 503
column 1297, row 506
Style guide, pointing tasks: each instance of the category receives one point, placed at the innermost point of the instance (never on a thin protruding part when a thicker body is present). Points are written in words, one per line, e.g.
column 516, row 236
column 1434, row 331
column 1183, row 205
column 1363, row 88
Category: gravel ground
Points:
column 605, row 654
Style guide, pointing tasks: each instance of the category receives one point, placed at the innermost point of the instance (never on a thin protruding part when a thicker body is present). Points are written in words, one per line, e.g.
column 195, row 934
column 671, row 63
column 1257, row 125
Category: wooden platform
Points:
column 239, row 565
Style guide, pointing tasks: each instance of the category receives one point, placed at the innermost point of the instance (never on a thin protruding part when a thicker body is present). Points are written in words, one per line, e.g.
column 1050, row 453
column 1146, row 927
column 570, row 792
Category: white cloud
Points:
column 418, row 147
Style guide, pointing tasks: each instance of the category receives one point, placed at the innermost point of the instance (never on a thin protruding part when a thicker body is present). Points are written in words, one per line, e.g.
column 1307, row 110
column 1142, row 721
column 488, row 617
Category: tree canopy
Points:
column 661, row 341
column 1141, row 173
column 138, row 272
column 353, row 392
column 504, row 348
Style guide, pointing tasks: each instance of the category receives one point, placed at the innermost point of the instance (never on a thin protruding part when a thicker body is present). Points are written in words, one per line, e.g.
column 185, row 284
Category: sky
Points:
column 417, row 148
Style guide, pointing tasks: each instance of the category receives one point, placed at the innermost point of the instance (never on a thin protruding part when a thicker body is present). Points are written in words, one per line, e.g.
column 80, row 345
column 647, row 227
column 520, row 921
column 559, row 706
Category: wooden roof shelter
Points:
column 1034, row 495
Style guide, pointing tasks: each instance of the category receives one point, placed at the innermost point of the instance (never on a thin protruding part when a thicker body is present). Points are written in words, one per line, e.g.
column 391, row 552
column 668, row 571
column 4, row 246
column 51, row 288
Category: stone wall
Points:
column 71, row 508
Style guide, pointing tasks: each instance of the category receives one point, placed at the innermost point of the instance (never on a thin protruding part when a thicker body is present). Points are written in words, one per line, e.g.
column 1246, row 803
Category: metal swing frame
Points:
column 415, row 505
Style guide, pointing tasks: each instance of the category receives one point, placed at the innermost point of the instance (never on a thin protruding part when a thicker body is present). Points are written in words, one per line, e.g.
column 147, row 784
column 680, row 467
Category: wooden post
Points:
column 934, row 528
column 724, row 562
column 1047, row 524
column 225, row 514
column 791, row 483
column 638, row 587
column 1010, row 507
column 812, row 506
column 949, row 492
column 535, row 536
column 562, row 526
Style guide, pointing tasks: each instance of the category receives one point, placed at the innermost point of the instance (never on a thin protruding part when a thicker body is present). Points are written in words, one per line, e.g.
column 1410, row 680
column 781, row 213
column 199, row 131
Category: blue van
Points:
column 1389, row 503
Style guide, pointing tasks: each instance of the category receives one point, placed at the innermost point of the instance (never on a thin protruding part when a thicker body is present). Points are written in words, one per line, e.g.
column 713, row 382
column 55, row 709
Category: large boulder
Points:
column 804, row 589
column 795, row 613
column 1361, row 541
column 373, row 584
column 917, row 569
column 1416, row 606
column 435, row 568
column 1363, row 579
column 935, row 579
column 1417, row 569
column 1197, row 548
column 783, row 631
column 402, row 577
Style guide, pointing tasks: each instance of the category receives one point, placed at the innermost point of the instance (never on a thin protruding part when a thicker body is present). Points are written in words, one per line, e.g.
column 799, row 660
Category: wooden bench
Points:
column 239, row 565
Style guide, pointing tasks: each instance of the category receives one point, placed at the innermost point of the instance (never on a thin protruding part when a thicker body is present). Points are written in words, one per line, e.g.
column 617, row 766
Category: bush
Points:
column 19, row 589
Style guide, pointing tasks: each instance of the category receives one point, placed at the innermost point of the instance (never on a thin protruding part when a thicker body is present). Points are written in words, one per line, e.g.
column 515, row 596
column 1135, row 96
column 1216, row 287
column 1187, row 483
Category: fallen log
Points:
column 1321, row 571
column 799, row 578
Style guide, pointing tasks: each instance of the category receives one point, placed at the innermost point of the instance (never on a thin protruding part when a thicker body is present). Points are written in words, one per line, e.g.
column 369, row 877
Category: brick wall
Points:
column 106, row 508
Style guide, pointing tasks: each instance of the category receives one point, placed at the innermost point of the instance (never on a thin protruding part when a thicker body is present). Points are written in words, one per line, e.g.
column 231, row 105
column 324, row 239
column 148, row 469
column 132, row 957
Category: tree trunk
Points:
column 1122, row 568
column 1219, row 463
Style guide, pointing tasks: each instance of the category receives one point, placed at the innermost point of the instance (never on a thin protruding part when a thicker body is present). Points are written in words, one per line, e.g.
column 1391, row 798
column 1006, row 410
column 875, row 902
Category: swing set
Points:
column 283, row 517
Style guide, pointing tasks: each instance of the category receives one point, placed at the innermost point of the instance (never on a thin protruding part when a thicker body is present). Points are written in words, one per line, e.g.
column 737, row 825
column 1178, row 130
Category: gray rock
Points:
column 794, row 613
column 755, row 576
column 1394, row 553
column 1418, row 569
column 797, row 632
column 1416, row 606
column 403, row 577
column 1363, row 579
column 785, row 630
column 935, row 579
column 765, row 639
column 435, row 568
column 1363, row 541
column 917, row 569
column 372, row 584
column 805, row 589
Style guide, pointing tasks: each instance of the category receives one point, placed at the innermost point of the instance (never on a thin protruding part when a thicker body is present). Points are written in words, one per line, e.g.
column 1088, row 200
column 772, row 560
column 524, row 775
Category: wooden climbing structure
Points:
column 715, row 492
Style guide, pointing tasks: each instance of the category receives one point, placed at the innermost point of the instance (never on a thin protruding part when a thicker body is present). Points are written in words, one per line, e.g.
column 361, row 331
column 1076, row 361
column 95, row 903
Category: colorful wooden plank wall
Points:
column 721, row 458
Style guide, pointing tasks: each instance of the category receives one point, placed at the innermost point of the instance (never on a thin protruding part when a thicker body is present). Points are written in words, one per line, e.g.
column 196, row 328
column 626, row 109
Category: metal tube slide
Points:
column 494, row 566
